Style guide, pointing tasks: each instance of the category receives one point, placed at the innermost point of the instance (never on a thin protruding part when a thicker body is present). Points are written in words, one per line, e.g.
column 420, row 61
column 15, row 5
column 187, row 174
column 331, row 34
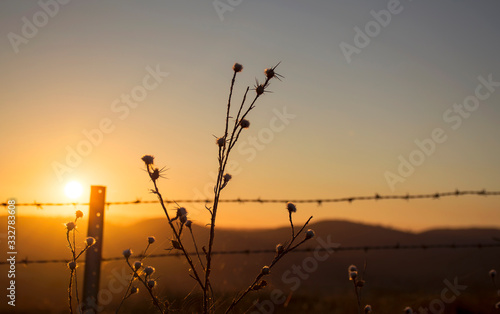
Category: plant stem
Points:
column 155, row 299
column 177, row 237
column 278, row 257
column 70, row 290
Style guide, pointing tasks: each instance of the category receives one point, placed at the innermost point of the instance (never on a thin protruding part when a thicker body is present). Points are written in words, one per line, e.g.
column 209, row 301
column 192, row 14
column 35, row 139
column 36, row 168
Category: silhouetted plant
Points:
column 200, row 268
column 72, row 264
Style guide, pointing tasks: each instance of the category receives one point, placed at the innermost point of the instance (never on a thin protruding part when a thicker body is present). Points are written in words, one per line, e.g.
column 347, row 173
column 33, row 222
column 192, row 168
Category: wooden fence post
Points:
column 94, row 254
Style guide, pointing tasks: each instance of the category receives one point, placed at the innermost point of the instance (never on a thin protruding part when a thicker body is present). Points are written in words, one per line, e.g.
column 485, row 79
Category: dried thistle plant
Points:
column 200, row 268
column 72, row 264
column 358, row 283
column 281, row 251
column 145, row 276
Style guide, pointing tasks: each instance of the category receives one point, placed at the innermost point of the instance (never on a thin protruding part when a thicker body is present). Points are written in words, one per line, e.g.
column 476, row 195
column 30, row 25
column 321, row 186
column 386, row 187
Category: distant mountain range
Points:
column 409, row 277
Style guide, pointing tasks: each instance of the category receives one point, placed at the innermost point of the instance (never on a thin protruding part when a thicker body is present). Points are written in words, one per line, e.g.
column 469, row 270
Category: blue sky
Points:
column 351, row 120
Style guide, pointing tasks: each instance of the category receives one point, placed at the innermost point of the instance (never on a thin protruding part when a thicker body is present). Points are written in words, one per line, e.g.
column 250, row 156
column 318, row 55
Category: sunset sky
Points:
column 370, row 87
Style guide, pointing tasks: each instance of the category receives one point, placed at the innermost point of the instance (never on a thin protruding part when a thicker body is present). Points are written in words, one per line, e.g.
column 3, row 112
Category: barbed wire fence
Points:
column 318, row 201
column 364, row 248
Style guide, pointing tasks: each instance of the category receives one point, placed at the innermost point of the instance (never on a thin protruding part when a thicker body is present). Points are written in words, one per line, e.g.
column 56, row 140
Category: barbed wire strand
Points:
column 319, row 201
column 365, row 248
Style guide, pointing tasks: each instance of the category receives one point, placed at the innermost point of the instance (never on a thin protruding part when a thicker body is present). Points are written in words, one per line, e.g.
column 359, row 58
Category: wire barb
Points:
column 350, row 199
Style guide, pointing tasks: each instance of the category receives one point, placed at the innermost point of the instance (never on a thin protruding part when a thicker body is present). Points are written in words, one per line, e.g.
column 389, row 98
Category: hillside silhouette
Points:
column 393, row 277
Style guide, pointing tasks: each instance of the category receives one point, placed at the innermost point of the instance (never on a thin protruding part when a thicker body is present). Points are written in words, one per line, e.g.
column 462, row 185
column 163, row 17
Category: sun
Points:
column 73, row 189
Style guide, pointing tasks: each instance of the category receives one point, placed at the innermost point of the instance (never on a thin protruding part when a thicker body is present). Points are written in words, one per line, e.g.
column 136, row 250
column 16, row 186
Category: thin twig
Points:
column 177, row 236
column 196, row 249
column 275, row 260
column 153, row 297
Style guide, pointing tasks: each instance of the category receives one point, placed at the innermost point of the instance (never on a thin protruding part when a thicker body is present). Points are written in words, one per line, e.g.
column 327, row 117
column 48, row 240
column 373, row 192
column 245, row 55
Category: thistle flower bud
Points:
column 269, row 73
column 127, row 253
column 227, row 177
column 352, row 268
column 148, row 159
column 137, row 265
column 237, row 67
column 279, row 248
column 189, row 223
column 151, row 284
column 291, row 207
column 151, row 240
column 260, row 89
column 353, row 275
column 149, row 270
column 134, row 290
column 181, row 211
column 368, row 309
column 90, row 241
column 220, row 141
column 72, row 265
column 309, row 233
column 70, row 225
column 408, row 310
column 245, row 124
column 492, row 273
column 265, row 270
column 79, row 214
column 155, row 174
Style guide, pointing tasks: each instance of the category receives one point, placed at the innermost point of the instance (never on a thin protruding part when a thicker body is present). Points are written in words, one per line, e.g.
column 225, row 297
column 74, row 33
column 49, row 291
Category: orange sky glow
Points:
column 415, row 111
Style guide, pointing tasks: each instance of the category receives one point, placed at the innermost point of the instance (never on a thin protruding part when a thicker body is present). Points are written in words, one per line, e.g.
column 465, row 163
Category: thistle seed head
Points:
column 127, row 253
column 70, row 225
column 79, row 214
column 151, row 284
column 265, row 270
column 90, row 241
column 237, row 67
column 149, row 270
column 279, row 248
column 72, row 265
column 309, row 233
column 148, row 159
column 220, row 141
column 245, row 124
column 137, row 265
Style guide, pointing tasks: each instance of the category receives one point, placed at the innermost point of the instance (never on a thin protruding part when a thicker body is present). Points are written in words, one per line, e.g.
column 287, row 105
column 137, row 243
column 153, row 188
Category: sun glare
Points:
column 73, row 189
